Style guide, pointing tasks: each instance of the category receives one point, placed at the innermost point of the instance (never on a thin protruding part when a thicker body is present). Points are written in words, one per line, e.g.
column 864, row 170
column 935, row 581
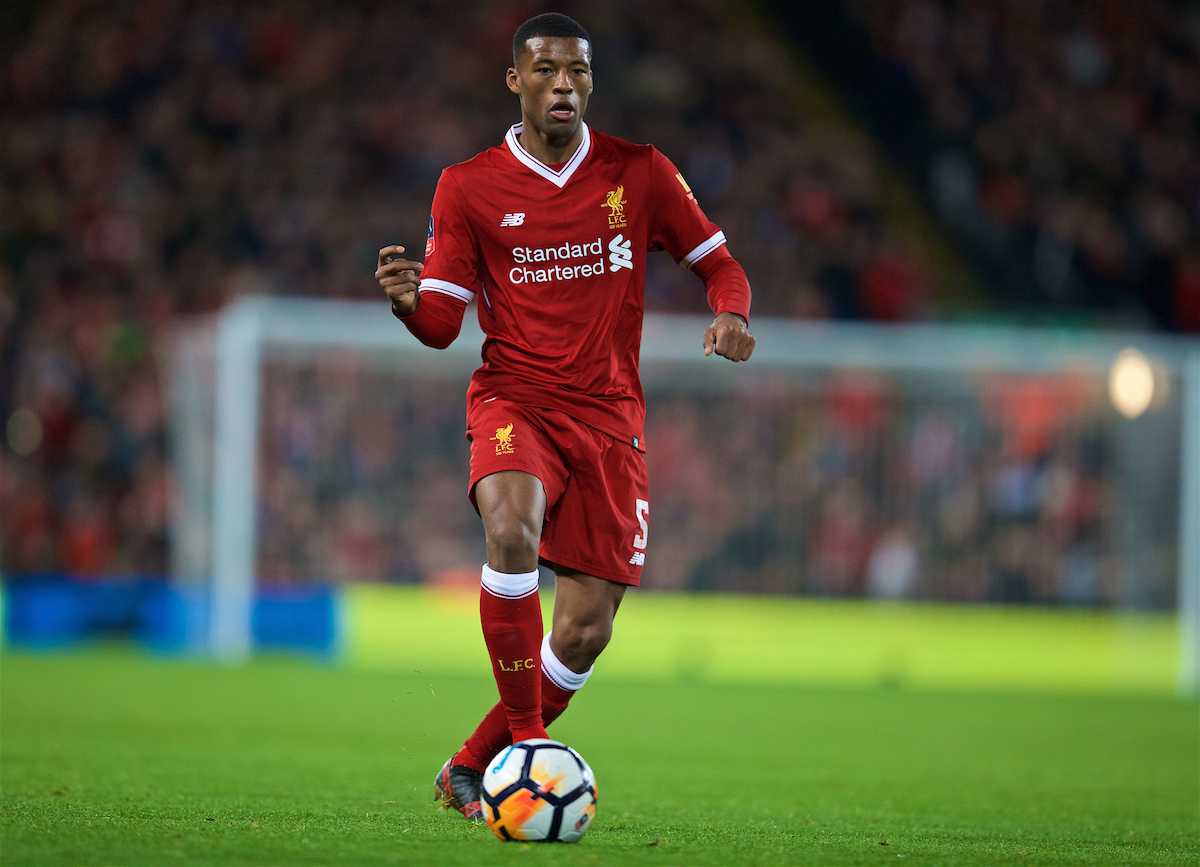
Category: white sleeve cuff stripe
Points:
column 446, row 288
column 703, row 250
column 561, row 676
column 508, row 585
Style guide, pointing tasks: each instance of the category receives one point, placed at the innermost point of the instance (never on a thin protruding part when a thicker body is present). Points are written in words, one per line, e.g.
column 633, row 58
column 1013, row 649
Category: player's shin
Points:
column 511, row 615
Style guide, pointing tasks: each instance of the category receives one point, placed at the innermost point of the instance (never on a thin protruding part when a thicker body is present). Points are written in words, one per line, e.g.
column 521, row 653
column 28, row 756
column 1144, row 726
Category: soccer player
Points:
column 551, row 229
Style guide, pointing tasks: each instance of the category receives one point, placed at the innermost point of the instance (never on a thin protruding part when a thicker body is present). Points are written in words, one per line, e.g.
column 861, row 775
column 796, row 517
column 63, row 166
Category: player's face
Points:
column 553, row 77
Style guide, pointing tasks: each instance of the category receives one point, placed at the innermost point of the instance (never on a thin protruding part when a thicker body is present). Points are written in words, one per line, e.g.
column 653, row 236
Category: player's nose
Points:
column 562, row 82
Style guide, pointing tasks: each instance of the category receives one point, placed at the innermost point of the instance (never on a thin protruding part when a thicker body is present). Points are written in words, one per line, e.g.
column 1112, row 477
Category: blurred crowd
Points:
column 1005, row 489
column 158, row 158
column 1067, row 143
column 364, row 476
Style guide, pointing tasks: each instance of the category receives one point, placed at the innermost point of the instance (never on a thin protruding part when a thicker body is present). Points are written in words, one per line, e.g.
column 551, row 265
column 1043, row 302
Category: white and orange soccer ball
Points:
column 539, row 790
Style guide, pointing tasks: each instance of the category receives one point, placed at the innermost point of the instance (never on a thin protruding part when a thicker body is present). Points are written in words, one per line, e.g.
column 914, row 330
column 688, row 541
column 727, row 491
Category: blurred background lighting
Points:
column 24, row 432
column 1131, row 383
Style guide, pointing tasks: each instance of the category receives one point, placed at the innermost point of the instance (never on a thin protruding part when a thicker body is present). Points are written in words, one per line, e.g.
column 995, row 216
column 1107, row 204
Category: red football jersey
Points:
column 558, row 258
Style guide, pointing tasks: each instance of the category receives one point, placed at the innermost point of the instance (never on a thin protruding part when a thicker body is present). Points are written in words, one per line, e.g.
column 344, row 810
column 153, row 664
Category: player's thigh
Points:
column 511, row 498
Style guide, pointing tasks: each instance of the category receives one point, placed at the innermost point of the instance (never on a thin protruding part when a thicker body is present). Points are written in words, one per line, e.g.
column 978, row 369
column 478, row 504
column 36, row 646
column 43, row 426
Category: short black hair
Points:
column 552, row 24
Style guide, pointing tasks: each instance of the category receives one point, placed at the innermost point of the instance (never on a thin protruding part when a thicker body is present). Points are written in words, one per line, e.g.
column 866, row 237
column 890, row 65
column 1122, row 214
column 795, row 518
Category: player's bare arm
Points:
column 400, row 279
column 729, row 336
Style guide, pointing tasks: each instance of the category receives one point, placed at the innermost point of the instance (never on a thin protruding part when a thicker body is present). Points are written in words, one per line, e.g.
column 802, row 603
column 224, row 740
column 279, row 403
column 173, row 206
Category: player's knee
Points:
column 511, row 541
column 595, row 639
column 582, row 641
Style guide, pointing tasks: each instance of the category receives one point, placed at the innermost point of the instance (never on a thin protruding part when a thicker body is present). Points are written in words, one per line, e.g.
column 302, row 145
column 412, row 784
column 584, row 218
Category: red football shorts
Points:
column 597, row 494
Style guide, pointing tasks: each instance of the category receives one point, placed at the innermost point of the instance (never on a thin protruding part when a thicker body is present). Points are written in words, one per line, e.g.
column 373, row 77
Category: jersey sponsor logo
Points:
column 513, row 219
column 504, row 440
column 429, row 240
column 638, row 559
column 565, row 252
column 620, row 255
column 525, row 255
column 684, row 184
column 614, row 200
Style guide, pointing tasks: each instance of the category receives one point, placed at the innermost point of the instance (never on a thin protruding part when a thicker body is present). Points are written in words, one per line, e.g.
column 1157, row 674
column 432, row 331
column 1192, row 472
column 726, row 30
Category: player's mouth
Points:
column 562, row 111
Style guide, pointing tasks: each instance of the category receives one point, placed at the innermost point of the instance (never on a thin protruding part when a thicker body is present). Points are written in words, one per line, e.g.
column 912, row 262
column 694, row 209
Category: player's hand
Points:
column 729, row 336
column 399, row 278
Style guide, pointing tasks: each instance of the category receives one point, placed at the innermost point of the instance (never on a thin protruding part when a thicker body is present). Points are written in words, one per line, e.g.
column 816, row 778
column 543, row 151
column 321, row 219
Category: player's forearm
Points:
column 725, row 283
column 436, row 320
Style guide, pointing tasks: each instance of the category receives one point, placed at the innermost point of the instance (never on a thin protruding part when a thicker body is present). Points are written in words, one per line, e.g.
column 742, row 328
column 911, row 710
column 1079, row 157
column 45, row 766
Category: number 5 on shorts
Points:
column 643, row 509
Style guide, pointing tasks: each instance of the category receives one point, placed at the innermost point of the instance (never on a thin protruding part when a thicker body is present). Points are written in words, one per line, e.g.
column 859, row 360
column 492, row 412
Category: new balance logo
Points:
column 638, row 559
column 513, row 219
column 620, row 254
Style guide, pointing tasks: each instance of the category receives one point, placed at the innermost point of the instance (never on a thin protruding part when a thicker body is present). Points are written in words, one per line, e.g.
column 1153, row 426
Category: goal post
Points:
column 218, row 398
column 1189, row 528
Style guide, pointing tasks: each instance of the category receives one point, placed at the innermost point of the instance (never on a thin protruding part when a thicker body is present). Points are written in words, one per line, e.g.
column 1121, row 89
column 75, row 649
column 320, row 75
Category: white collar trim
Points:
column 558, row 178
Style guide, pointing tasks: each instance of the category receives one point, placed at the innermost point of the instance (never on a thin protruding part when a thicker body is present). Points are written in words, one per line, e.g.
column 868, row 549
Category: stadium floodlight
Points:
column 219, row 397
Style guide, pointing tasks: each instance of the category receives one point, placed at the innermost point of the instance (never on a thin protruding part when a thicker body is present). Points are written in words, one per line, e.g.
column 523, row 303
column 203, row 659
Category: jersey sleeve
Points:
column 725, row 283
column 677, row 224
column 437, row 319
column 451, row 250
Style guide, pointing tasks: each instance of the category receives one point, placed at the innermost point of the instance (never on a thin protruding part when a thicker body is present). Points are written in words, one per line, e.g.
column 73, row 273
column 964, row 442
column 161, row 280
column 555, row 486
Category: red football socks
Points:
column 511, row 615
column 492, row 734
column 486, row 742
column 554, row 700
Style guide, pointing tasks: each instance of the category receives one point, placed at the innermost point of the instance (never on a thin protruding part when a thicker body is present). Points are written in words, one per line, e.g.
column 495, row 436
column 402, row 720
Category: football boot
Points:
column 456, row 787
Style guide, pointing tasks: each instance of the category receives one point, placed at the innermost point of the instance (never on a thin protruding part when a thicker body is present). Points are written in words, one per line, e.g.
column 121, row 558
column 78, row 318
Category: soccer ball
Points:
column 539, row 790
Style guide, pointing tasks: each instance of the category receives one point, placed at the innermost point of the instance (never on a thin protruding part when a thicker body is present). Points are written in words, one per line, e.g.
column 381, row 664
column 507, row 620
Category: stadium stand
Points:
column 159, row 159
column 1056, row 141
column 162, row 158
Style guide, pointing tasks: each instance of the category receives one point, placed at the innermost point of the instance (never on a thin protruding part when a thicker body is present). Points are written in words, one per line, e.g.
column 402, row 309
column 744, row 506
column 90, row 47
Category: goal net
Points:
column 317, row 442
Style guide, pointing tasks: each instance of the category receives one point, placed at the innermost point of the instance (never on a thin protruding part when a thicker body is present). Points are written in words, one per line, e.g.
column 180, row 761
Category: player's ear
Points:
column 514, row 83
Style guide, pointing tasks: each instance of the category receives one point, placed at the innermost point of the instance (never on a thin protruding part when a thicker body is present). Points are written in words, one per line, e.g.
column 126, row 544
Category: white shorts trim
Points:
column 703, row 250
column 432, row 284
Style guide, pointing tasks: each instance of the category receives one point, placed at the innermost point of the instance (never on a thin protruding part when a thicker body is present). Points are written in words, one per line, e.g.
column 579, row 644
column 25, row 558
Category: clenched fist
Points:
column 400, row 280
column 729, row 336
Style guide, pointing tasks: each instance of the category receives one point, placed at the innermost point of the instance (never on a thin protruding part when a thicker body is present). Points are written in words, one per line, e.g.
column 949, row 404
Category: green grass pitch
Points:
column 114, row 757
